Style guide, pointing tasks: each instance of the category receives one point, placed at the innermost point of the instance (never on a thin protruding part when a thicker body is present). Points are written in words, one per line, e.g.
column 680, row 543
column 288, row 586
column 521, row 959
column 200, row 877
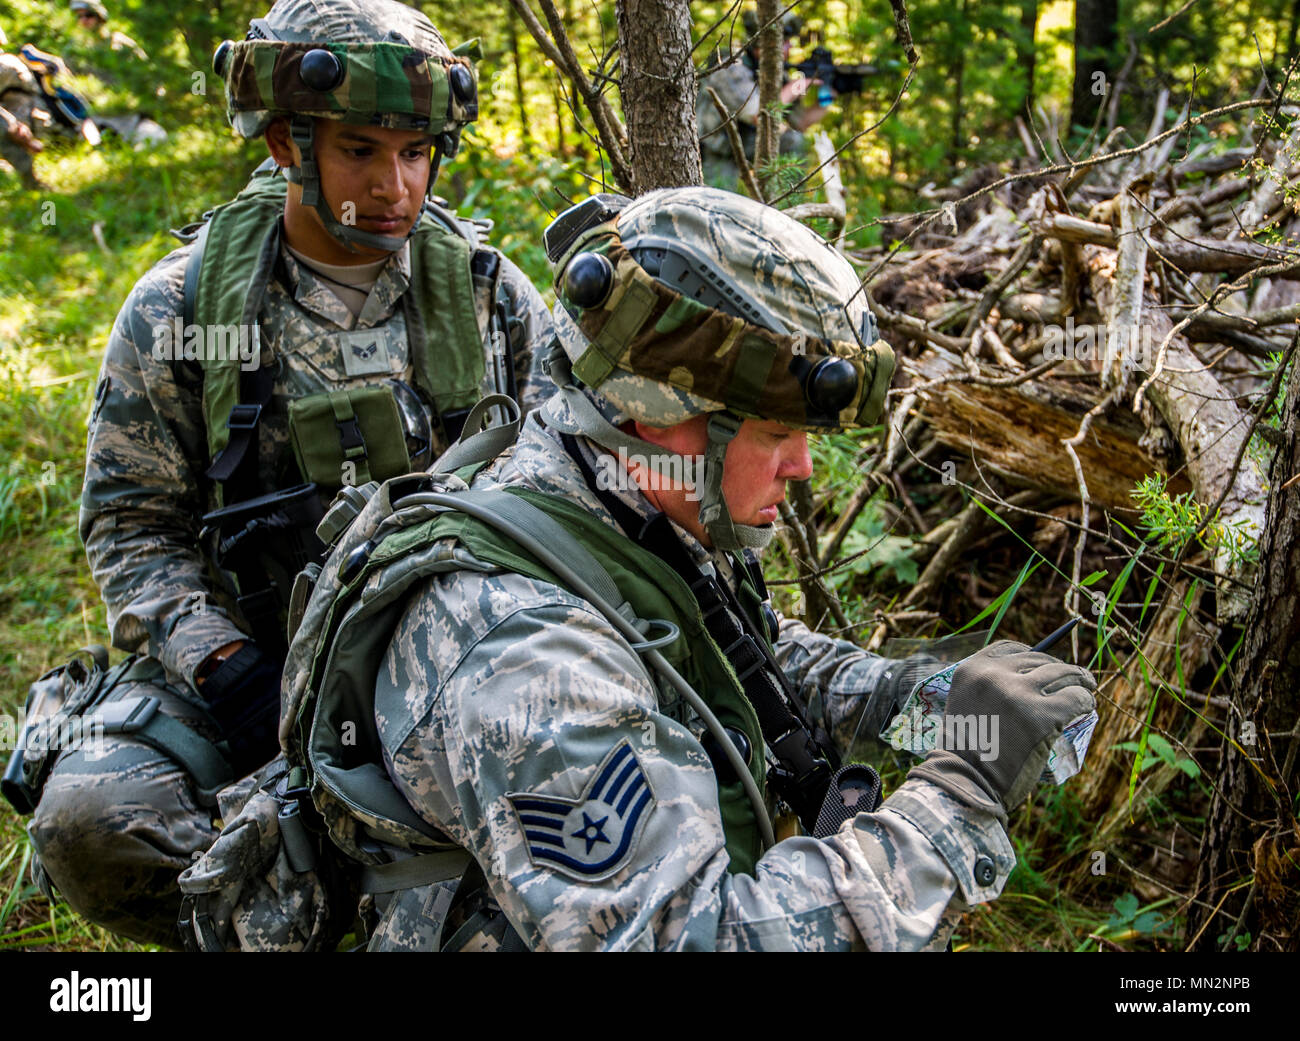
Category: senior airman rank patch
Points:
column 591, row 837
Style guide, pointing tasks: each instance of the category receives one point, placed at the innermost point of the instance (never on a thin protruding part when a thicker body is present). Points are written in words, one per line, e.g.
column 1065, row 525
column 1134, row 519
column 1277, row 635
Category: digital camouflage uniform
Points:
column 502, row 695
column 114, row 828
column 737, row 87
column 498, row 684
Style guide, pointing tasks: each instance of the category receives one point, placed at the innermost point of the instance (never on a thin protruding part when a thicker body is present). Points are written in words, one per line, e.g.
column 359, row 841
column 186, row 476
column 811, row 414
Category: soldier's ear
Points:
column 278, row 142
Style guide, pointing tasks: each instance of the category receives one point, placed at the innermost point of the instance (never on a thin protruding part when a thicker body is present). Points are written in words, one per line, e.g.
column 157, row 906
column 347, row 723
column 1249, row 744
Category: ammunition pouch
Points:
column 348, row 437
column 271, row 881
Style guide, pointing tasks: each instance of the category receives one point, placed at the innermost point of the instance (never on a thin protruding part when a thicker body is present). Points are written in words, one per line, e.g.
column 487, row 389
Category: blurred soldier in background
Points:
column 736, row 84
column 18, row 106
column 111, row 55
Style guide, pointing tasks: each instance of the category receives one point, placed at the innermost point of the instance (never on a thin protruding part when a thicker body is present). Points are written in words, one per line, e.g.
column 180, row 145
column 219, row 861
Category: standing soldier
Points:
column 313, row 336
column 736, row 84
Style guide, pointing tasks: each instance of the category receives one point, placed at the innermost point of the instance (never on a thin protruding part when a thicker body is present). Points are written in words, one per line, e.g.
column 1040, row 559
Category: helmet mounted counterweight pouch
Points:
column 348, row 437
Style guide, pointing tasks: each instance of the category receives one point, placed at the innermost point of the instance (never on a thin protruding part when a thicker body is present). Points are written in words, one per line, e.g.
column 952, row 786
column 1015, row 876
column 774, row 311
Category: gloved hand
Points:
column 243, row 695
column 1030, row 697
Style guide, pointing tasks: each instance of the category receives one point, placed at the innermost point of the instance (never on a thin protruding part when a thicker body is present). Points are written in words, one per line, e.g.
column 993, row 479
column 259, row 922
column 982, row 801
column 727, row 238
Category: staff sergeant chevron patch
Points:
column 591, row 837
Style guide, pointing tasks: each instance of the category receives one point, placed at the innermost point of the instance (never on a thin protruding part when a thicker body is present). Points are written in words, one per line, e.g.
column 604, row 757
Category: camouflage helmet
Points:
column 695, row 300
column 368, row 62
column 93, row 6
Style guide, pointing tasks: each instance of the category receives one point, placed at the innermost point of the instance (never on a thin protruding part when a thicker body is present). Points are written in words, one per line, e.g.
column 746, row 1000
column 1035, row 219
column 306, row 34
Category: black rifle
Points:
column 842, row 79
column 264, row 543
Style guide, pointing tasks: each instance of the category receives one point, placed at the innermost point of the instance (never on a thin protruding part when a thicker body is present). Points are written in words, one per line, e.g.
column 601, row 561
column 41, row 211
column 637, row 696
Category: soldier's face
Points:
column 373, row 178
column 761, row 458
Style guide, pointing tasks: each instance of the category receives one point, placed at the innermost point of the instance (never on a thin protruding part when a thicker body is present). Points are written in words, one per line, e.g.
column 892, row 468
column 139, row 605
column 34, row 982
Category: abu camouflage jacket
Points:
column 147, row 449
column 506, row 705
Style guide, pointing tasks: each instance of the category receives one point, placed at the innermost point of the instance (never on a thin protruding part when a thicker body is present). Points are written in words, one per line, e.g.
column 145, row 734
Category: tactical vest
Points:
column 346, row 629
column 348, row 435
column 232, row 263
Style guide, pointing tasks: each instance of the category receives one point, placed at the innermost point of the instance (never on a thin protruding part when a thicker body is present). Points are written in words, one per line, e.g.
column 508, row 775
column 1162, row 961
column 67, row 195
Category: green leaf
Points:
column 1004, row 599
column 1126, row 908
column 1149, row 922
column 1030, row 567
column 1094, row 578
column 1161, row 747
column 1151, row 588
column 1112, row 598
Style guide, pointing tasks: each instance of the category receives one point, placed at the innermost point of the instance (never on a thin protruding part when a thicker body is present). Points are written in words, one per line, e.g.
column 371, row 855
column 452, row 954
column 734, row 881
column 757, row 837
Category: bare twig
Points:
column 737, row 147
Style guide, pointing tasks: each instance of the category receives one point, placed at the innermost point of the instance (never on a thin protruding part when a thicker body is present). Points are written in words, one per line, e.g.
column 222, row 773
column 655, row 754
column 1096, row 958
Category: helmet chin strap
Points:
column 302, row 130
column 724, row 533
column 715, row 518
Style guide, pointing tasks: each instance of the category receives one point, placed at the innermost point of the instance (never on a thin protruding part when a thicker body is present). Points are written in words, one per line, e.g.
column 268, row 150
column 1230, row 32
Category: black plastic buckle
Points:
column 350, row 434
column 708, row 594
column 244, row 417
column 792, row 750
column 125, row 717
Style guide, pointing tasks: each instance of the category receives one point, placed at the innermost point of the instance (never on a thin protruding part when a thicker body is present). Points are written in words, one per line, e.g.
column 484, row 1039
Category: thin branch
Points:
column 737, row 147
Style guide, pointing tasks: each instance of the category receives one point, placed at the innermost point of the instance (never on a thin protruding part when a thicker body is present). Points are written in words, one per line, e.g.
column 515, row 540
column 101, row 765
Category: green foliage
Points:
column 1130, row 916
column 1174, row 520
column 1159, row 750
column 525, row 159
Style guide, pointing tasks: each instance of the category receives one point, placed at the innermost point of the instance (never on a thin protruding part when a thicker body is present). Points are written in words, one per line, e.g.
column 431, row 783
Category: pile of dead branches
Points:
column 1063, row 331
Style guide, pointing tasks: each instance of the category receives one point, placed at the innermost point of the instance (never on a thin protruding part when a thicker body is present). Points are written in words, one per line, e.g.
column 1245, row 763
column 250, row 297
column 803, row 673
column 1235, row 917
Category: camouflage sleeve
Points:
column 142, row 499
column 527, row 305
column 843, row 686
column 517, row 721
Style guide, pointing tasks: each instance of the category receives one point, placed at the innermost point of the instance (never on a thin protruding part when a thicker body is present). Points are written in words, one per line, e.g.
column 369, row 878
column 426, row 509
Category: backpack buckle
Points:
column 244, row 417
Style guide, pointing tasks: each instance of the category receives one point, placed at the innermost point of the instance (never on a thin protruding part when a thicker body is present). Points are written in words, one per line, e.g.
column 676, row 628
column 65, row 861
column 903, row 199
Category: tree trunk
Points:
column 1252, row 828
column 521, row 96
column 1095, row 37
column 658, row 91
column 770, row 75
column 958, row 85
column 1026, row 54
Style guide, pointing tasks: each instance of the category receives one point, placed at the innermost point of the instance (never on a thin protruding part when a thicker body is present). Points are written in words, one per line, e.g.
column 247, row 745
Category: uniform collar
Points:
column 540, row 462
column 314, row 294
